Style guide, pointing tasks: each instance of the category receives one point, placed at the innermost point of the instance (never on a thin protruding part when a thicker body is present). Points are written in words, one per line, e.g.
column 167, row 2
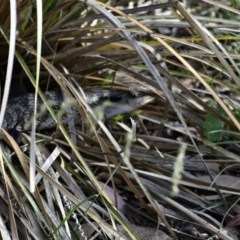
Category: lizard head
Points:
column 121, row 102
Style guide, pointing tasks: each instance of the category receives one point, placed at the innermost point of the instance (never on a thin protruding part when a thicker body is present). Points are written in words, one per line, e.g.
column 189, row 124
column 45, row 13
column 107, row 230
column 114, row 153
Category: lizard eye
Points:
column 115, row 98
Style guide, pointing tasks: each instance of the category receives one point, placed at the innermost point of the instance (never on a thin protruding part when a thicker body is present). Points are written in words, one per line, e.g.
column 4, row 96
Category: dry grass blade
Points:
column 209, row 40
column 12, row 42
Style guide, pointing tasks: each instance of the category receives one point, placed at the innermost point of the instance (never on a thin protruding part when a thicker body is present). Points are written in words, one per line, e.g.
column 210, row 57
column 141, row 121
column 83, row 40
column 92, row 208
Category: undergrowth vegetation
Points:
column 166, row 170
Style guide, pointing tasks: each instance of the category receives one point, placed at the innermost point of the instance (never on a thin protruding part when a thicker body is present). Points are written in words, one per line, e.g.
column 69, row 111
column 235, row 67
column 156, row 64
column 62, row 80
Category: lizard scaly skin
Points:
column 20, row 109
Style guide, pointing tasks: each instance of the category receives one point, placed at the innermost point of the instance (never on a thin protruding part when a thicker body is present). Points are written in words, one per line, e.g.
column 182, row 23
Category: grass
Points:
column 168, row 169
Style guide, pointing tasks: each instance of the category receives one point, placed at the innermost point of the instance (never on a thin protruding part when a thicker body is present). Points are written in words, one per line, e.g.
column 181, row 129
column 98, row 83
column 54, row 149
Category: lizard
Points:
column 20, row 109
